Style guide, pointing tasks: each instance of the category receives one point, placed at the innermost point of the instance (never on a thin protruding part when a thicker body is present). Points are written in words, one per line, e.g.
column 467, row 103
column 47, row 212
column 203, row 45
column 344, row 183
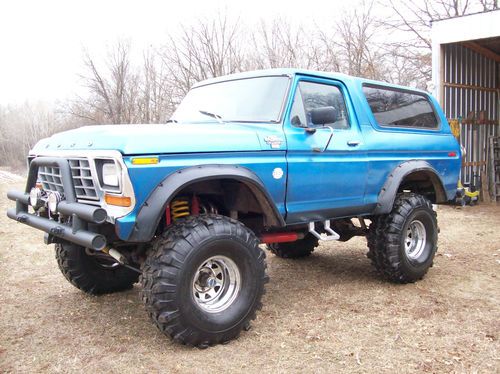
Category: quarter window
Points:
column 399, row 108
column 310, row 96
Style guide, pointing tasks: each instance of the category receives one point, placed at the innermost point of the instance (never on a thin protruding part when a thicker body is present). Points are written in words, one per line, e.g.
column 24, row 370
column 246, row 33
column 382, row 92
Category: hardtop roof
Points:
column 291, row 72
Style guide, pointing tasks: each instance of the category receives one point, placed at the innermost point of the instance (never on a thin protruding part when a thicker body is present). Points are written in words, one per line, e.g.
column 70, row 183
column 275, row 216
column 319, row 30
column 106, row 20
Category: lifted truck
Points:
column 279, row 157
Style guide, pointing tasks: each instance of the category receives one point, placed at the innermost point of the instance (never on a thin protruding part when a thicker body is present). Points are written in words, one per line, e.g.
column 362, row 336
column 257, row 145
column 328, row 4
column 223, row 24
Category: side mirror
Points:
column 323, row 115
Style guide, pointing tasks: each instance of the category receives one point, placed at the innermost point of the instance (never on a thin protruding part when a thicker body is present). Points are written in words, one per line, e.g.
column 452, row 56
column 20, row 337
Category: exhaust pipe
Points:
column 122, row 260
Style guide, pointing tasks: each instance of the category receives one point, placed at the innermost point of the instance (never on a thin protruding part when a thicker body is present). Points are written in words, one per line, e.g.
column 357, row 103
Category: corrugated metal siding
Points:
column 470, row 86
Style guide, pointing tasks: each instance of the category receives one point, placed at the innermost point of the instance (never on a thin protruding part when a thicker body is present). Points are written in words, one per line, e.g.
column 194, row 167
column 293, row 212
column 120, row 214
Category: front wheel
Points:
column 203, row 280
column 94, row 274
column 402, row 244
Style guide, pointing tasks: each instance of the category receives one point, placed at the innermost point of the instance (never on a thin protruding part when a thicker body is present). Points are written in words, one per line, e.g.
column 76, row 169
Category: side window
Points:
column 398, row 108
column 310, row 96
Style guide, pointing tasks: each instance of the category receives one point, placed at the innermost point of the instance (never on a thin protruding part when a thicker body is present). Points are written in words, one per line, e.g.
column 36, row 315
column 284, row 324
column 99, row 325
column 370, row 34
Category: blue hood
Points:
column 157, row 139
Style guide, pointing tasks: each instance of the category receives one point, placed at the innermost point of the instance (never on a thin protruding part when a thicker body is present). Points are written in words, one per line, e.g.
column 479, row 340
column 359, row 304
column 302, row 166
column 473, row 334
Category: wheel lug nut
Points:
column 211, row 282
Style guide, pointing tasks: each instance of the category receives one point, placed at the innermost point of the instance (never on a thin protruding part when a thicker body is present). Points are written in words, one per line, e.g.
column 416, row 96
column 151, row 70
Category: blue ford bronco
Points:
column 285, row 158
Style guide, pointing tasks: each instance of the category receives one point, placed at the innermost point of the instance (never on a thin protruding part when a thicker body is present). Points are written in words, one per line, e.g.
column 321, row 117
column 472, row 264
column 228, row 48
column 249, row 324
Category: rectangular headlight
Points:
column 110, row 174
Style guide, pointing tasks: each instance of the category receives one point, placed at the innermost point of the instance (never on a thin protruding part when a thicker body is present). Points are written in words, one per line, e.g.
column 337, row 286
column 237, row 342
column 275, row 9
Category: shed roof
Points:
column 470, row 27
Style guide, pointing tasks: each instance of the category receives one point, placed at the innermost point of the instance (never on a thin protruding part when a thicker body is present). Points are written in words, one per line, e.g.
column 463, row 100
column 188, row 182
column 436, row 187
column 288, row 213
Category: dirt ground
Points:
column 327, row 313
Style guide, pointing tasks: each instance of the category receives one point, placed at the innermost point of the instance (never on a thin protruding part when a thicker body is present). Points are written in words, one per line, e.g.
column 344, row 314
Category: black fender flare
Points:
column 389, row 190
column 152, row 210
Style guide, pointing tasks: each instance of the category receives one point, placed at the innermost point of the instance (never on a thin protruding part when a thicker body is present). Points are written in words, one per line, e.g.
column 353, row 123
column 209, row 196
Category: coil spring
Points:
column 179, row 208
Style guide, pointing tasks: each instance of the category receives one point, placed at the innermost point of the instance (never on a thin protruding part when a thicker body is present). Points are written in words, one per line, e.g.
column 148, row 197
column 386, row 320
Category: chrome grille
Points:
column 85, row 188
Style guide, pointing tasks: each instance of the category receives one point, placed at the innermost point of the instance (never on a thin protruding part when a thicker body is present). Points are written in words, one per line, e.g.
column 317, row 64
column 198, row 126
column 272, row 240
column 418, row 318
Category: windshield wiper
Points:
column 213, row 115
column 171, row 121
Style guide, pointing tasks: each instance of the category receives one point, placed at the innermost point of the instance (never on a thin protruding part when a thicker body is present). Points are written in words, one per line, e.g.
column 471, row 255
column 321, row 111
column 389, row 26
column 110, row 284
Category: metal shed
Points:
column 466, row 80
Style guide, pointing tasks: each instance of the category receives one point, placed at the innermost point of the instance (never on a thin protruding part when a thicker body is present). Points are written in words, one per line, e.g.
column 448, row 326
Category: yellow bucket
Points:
column 455, row 128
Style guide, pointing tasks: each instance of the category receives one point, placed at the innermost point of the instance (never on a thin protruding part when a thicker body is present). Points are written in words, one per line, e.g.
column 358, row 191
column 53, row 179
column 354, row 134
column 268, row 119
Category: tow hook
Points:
column 122, row 260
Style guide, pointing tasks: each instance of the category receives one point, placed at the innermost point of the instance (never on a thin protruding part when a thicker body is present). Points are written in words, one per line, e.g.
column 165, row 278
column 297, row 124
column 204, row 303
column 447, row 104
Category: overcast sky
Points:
column 41, row 41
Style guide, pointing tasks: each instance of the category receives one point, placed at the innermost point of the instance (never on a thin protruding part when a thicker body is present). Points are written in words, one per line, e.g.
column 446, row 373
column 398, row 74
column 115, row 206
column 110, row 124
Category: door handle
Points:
column 353, row 143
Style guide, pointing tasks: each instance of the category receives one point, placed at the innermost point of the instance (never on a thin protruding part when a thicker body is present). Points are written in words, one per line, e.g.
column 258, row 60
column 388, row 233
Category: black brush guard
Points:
column 81, row 214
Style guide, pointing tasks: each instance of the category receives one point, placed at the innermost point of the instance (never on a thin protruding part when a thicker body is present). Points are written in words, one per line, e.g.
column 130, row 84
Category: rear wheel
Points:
column 297, row 249
column 402, row 244
column 93, row 274
column 203, row 280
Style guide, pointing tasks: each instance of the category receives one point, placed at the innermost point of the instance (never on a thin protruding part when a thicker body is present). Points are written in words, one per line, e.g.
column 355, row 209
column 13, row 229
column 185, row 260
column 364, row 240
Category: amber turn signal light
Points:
column 118, row 200
column 145, row 160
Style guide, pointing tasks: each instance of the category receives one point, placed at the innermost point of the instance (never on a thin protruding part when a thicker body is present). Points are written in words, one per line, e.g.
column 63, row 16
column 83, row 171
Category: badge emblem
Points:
column 277, row 173
column 274, row 141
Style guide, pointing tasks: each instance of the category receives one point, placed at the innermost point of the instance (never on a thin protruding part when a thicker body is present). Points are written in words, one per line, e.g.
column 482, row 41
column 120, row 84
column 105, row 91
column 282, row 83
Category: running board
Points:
column 331, row 235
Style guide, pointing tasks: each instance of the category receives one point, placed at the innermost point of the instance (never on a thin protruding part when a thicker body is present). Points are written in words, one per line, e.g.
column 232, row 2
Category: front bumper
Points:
column 81, row 215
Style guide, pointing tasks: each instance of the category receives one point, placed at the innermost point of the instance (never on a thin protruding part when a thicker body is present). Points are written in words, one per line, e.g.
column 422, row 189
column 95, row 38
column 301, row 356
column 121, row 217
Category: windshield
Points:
column 243, row 100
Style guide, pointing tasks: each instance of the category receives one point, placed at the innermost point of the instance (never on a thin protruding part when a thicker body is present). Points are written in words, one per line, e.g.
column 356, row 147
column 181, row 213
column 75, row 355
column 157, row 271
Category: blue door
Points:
column 327, row 164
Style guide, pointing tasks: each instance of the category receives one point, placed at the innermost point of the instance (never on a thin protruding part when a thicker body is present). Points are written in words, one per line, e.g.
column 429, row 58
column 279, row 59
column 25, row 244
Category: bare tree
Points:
column 120, row 92
column 326, row 56
column 279, row 44
column 489, row 4
column 414, row 19
column 112, row 90
column 4, row 136
column 356, row 30
column 350, row 46
column 210, row 48
column 21, row 126
column 155, row 102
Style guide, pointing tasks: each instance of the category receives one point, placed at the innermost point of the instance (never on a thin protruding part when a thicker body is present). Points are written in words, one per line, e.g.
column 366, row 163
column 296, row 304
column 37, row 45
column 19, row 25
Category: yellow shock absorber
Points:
column 179, row 208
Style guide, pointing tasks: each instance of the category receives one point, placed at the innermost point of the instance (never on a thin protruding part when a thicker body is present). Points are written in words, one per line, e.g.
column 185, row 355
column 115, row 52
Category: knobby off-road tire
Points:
column 402, row 244
column 300, row 248
column 91, row 274
column 203, row 280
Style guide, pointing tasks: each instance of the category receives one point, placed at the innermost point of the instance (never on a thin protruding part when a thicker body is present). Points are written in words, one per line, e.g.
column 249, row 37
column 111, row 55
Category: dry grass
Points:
column 327, row 313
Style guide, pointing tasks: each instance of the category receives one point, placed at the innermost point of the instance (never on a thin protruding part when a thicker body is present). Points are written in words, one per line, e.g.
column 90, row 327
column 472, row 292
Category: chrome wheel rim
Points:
column 216, row 284
column 415, row 240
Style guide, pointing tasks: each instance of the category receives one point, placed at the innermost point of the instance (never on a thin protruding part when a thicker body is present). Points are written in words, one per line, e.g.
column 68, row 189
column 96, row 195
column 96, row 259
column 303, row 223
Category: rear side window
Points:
column 400, row 108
